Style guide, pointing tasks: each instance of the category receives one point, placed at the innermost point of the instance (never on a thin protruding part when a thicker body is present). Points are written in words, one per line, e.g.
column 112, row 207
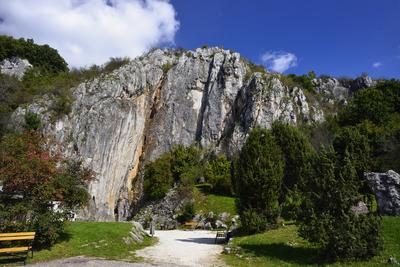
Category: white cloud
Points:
column 377, row 65
column 279, row 61
column 91, row 31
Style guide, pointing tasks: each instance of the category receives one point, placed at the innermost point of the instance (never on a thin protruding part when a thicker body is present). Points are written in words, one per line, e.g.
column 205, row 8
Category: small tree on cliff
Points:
column 258, row 174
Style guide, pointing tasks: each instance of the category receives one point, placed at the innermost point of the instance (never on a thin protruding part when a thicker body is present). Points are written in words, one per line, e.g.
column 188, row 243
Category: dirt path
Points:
column 183, row 248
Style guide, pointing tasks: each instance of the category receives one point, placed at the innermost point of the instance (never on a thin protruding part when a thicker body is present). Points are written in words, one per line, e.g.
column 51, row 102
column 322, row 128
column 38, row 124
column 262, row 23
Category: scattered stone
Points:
column 201, row 224
column 392, row 261
column 164, row 212
column 208, row 226
column 197, row 218
column 224, row 216
column 387, row 191
column 227, row 250
column 219, row 225
column 361, row 208
column 136, row 235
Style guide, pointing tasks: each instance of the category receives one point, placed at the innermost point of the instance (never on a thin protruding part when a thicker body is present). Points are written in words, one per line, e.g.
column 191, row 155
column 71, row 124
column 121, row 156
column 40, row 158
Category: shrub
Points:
column 158, row 177
column 32, row 121
column 368, row 104
column 34, row 180
column 217, row 172
column 204, row 187
column 188, row 212
column 258, row 174
column 326, row 217
column 166, row 67
column 115, row 63
column 303, row 81
column 41, row 56
column 253, row 68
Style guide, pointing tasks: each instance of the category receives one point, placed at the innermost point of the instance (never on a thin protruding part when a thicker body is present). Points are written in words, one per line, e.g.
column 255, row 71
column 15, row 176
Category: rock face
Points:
column 334, row 89
column 162, row 212
column 14, row 67
column 121, row 120
column 387, row 190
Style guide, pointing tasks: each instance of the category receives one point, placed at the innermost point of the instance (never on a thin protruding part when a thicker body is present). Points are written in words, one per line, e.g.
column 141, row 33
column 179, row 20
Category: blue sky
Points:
column 337, row 37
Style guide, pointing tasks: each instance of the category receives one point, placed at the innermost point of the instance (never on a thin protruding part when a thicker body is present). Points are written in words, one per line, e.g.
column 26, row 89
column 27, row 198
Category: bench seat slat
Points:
column 12, row 238
column 16, row 234
column 12, row 250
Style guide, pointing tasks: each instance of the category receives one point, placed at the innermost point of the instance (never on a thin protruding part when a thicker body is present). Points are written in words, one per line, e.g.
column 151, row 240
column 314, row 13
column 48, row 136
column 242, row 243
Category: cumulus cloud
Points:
column 89, row 32
column 377, row 65
column 279, row 61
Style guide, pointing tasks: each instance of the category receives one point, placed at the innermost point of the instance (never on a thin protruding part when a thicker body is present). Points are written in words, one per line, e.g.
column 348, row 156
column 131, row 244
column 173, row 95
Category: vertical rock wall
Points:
column 165, row 98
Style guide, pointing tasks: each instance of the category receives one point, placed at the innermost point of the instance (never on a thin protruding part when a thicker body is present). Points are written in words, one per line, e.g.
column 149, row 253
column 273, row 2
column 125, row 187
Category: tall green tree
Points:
column 327, row 218
column 297, row 153
column 217, row 172
column 158, row 177
column 258, row 174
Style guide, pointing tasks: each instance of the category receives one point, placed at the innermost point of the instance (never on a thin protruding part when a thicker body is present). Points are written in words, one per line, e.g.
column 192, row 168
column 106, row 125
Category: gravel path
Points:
column 183, row 248
column 83, row 261
column 175, row 248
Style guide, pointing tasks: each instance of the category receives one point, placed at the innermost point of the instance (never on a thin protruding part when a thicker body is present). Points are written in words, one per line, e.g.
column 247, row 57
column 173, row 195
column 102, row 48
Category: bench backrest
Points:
column 17, row 236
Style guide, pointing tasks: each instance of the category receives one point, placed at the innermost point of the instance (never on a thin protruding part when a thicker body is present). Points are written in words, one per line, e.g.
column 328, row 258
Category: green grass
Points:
column 204, row 203
column 97, row 239
column 283, row 247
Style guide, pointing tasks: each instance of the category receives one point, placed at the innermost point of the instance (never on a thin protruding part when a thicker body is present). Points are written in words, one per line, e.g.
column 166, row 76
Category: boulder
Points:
column 224, row 217
column 387, row 191
column 360, row 208
column 136, row 235
column 208, row 226
column 219, row 224
column 15, row 67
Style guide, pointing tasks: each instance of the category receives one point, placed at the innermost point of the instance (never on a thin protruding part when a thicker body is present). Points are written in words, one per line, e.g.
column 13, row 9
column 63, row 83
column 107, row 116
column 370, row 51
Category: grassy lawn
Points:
column 97, row 239
column 282, row 247
column 204, row 203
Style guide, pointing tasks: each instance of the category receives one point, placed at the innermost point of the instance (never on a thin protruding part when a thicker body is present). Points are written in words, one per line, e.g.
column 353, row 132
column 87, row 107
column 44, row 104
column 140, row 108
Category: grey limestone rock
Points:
column 120, row 121
column 14, row 67
column 360, row 208
column 387, row 190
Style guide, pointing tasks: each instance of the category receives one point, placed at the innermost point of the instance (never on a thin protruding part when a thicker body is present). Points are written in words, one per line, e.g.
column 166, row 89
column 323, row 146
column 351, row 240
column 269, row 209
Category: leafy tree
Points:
column 297, row 153
column 181, row 166
column 349, row 140
column 217, row 172
column 158, row 177
column 326, row 218
column 34, row 181
column 368, row 104
column 41, row 56
column 188, row 212
column 186, row 162
column 258, row 174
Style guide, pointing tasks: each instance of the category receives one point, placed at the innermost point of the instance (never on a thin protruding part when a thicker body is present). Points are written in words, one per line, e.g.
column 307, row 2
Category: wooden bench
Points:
column 28, row 237
column 191, row 224
column 220, row 234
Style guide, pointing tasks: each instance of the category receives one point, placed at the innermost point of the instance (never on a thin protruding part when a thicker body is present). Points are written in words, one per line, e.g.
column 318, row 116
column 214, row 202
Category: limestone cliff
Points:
column 164, row 98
